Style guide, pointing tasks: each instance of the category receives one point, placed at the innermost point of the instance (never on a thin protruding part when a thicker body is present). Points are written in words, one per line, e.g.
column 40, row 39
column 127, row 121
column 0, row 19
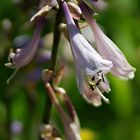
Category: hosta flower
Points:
column 24, row 55
column 90, row 66
column 109, row 50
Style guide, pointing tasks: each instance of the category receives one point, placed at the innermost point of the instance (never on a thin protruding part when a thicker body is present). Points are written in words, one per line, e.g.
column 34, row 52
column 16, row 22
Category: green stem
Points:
column 56, row 41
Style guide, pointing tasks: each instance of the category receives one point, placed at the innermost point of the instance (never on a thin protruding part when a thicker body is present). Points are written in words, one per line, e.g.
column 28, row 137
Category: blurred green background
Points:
column 22, row 101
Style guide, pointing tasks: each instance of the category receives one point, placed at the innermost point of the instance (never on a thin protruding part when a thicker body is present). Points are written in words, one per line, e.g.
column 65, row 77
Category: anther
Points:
column 103, row 78
column 92, row 87
column 93, row 78
column 98, row 73
column 98, row 82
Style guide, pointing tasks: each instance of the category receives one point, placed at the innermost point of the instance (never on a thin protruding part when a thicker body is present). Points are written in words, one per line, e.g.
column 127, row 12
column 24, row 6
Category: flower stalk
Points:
column 56, row 41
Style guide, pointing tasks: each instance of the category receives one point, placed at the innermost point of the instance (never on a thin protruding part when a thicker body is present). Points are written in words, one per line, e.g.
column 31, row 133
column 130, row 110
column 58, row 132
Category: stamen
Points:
column 98, row 82
column 103, row 97
column 99, row 72
column 11, row 77
column 103, row 78
column 93, row 78
column 92, row 85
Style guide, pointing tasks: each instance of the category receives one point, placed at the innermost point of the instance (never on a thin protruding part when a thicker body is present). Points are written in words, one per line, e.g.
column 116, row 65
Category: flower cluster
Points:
column 91, row 64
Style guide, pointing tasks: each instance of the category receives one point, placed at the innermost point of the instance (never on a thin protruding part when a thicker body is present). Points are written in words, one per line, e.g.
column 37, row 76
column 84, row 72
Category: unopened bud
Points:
column 75, row 10
column 48, row 132
column 47, row 75
column 41, row 12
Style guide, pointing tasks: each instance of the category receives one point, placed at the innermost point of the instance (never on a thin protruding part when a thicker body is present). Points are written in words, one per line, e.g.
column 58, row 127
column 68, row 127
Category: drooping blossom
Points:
column 108, row 49
column 90, row 66
column 25, row 54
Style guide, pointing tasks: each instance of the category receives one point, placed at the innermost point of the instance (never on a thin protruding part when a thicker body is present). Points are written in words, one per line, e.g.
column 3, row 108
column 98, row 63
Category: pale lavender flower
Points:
column 24, row 55
column 90, row 66
column 109, row 50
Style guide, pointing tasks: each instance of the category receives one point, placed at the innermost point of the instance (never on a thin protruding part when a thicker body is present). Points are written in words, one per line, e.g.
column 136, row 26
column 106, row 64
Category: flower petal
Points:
column 90, row 96
column 108, row 49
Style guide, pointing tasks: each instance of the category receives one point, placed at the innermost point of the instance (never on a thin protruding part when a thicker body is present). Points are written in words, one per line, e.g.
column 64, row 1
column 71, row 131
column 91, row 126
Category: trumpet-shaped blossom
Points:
column 109, row 50
column 24, row 55
column 90, row 66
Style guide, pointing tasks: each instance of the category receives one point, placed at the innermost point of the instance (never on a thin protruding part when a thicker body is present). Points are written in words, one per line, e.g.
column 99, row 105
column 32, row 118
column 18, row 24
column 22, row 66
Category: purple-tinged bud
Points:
column 75, row 10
